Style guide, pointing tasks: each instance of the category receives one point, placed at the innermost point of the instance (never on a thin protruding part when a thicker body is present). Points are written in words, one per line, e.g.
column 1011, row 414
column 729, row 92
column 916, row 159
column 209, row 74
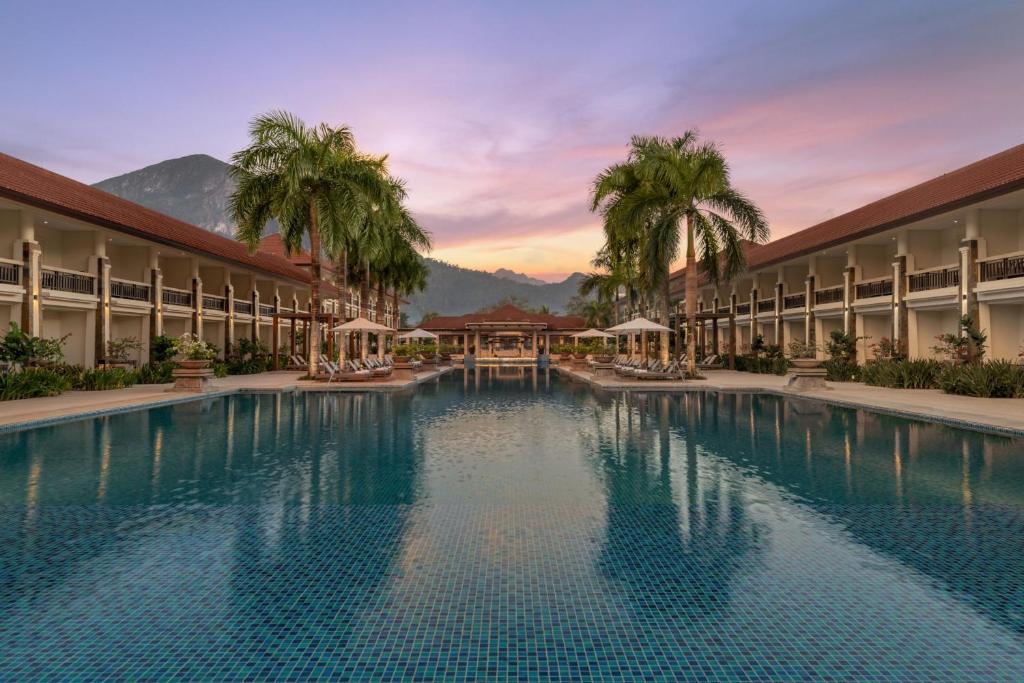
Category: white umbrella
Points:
column 592, row 333
column 418, row 333
column 361, row 325
column 639, row 325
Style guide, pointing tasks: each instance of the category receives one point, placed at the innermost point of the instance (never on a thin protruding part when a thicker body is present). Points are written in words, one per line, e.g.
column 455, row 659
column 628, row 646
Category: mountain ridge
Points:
column 195, row 188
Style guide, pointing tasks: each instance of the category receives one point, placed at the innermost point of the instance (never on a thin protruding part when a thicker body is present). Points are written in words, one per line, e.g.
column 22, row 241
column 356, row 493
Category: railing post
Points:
column 197, row 307
column 900, row 322
column 229, row 322
column 848, row 297
column 810, row 333
column 255, row 298
column 779, row 327
column 101, row 286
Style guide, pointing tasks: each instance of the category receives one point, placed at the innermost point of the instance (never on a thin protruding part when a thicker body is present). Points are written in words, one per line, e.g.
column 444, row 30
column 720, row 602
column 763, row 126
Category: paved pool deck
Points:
column 1003, row 415
column 987, row 414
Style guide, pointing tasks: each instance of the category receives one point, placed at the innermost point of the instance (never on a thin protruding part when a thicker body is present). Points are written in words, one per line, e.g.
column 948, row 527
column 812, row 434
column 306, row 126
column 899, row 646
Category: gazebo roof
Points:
column 506, row 317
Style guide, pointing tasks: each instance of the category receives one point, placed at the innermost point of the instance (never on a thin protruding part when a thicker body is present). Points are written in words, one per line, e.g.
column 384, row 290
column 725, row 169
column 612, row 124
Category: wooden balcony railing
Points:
column 1002, row 268
column 743, row 309
column 215, row 303
column 766, row 305
column 875, row 288
column 62, row 280
column 723, row 309
column 10, row 272
column 794, row 301
column 266, row 311
column 242, row 306
column 176, row 297
column 939, row 278
column 828, row 295
column 127, row 289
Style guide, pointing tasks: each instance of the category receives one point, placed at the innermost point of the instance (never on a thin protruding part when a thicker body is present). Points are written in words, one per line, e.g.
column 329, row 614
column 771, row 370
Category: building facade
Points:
column 905, row 268
column 83, row 265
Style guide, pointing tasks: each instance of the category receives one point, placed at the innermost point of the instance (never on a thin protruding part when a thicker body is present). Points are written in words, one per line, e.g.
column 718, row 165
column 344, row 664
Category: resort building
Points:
column 81, row 264
column 505, row 332
column 906, row 268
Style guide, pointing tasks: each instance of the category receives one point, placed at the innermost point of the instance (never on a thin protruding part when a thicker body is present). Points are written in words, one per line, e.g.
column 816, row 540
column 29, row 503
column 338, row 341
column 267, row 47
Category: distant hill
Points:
column 506, row 274
column 195, row 189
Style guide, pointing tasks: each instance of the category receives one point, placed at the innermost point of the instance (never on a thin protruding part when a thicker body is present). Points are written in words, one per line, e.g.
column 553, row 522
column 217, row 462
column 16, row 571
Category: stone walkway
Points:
column 996, row 414
column 1002, row 415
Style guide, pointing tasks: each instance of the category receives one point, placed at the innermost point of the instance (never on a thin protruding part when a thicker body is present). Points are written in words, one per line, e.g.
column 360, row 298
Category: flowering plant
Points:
column 191, row 347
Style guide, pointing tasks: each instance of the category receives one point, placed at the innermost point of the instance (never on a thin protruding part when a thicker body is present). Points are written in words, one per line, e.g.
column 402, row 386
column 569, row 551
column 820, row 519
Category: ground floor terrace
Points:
column 506, row 332
column 509, row 523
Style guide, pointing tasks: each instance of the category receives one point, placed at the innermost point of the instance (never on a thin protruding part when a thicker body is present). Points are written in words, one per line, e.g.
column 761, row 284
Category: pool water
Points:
column 507, row 524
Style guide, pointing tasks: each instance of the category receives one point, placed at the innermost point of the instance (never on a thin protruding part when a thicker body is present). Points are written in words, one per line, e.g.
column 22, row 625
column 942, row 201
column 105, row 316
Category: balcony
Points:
column 1002, row 267
column 266, row 311
column 127, row 289
column 938, row 278
column 723, row 309
column 873, row 289
column 215, row 303
column 828, row 295
column 794, row 301
column 10, row 272
column 242, row 306
column 766, row 306
column 743, row 309
column 71, row 281
column 176, row 297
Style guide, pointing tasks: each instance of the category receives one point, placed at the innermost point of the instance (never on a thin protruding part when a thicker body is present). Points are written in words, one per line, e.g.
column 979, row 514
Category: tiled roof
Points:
column 30, row 184
column 990, row 177
column 506, row 314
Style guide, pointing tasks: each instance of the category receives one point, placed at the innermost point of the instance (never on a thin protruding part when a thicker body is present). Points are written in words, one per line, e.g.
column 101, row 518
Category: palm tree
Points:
column 663, row 185
column 313, row 181
column 616, row 275
column 596, row 313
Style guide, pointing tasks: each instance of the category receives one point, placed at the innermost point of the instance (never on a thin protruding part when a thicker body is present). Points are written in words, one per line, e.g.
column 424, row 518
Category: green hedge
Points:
column 994, row 379
column 902, row 374
column 32, row 383
column 763, row 365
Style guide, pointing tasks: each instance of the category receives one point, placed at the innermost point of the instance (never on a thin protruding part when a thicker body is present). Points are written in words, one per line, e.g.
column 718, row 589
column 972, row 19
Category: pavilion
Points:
column 505, row 332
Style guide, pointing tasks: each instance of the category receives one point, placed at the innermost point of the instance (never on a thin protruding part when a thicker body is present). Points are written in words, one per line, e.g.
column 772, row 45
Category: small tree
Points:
column 967, row 345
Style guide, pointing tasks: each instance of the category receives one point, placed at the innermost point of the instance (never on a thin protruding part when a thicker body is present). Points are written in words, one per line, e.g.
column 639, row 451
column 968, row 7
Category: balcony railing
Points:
column 723, row 309
column 126, row 289
column 266, row 311
column 766, row 305
column 1002, row 268
column 743, row 309
column 10, row 273
column 60, row 280
column 875, row 288
column 940, row 278
column 243, row 307
column 828, row 295
column 794, row 301
column 215, row 303
column 176, row 297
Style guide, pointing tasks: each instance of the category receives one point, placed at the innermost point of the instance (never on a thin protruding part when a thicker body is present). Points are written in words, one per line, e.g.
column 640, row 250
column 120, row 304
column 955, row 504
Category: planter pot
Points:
column 603, row 359
column 805, row 363
column 400, row 359
column 193, row 364
column 565, row 356
column 579, row 356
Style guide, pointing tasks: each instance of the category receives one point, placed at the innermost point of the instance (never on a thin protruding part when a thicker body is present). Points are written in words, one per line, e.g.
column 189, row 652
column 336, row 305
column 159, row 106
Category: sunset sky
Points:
column 500, row 114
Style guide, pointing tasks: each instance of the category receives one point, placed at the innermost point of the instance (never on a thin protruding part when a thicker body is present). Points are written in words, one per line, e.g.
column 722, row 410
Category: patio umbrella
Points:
column 362, row 325
column 418, row 333
column 592, row 333
column 639, row 325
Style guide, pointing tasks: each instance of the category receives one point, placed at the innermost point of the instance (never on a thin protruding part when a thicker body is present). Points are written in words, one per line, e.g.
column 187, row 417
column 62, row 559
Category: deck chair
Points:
column 712, row 362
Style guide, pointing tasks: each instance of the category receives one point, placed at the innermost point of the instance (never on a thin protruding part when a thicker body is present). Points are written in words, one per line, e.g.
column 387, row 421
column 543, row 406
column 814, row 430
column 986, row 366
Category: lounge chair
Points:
column 297, row 362
column 672, row 371
column 712, row 362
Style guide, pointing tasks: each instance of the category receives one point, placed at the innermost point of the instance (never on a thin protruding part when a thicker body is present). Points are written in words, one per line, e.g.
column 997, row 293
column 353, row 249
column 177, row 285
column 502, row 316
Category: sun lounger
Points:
column 712, row 362
column 672, row 371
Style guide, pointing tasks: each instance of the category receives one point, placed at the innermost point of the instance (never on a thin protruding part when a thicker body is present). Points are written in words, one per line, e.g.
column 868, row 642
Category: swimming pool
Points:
column 508, row 524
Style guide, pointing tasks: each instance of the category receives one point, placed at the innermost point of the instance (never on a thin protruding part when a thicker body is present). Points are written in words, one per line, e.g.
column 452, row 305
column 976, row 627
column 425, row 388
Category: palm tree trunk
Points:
column 379, row 310
column 691, row 299
column 665, row 314
column 314, row 291
column 394, row 308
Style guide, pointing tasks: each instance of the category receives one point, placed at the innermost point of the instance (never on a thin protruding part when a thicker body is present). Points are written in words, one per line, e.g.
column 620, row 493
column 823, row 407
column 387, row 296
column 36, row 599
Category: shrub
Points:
column 968, row 346
column 104, row 379
column 32, row 383
column 119, row 350
column 23, row 349
column 994, row 379
column 191, row 347
column 220, row 368
column 839, row 370
column 163, row 348
column 902, row 374
column 763, row 365
column 156, row 373
column 248, row 357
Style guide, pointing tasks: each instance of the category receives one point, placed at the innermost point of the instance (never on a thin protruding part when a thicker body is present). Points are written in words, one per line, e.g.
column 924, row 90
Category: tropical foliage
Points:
column 666, row 191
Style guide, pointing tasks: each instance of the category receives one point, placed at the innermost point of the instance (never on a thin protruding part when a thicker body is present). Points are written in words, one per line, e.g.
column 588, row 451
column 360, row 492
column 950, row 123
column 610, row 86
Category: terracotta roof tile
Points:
column 30, row 184
column 507, row 314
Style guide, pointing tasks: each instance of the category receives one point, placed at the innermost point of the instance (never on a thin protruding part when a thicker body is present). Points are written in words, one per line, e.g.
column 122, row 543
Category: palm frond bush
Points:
column 33, row 383
column 993, row 379
column 158, row 372
column 902, row 374
column 104, row 379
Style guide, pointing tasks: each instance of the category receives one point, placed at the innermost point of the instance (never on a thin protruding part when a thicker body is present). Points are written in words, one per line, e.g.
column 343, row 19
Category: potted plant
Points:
column 564, row 351
column 803, row 355
column 119, row 351
column 194, row 353
column 402, row 353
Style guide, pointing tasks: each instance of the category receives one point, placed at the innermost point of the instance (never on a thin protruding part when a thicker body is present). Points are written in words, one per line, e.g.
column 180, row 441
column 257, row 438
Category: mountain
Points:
column 195, row 189
column 453, row 290
column 506, row 274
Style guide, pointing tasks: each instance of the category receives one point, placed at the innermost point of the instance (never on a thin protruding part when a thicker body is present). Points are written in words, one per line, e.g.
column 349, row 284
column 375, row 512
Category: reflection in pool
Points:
column 505, row 523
